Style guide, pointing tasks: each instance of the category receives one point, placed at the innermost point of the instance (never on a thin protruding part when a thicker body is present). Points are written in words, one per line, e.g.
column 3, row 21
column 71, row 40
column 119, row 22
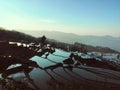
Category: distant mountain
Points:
column 7, row 35
column 105, row 41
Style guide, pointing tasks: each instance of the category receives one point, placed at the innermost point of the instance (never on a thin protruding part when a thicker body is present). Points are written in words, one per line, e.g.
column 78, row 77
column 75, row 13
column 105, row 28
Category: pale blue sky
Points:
column 85, row 17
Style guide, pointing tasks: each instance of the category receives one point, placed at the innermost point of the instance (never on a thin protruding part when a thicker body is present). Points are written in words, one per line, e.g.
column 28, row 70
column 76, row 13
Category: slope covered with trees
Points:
column 13, row 35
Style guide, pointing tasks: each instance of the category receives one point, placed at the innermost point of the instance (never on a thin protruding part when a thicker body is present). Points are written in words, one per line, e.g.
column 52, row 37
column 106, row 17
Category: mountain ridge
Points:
column 105, row 41
column 13, row 35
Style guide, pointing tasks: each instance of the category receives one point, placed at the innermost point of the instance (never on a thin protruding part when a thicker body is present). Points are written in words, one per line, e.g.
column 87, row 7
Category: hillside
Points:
column 52, row 68
column 6, row 35
column 105, row 41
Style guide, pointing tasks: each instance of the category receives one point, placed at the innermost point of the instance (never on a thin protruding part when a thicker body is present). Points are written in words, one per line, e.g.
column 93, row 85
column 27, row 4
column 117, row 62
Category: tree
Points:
column 83, row 49
column 42, row 42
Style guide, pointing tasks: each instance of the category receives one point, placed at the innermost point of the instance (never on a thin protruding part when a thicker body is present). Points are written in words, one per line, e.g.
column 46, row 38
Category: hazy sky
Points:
column 85, row 17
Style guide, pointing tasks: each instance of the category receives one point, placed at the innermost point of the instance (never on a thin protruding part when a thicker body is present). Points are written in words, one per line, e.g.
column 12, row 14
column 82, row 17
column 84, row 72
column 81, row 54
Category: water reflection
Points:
column 56, row 70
